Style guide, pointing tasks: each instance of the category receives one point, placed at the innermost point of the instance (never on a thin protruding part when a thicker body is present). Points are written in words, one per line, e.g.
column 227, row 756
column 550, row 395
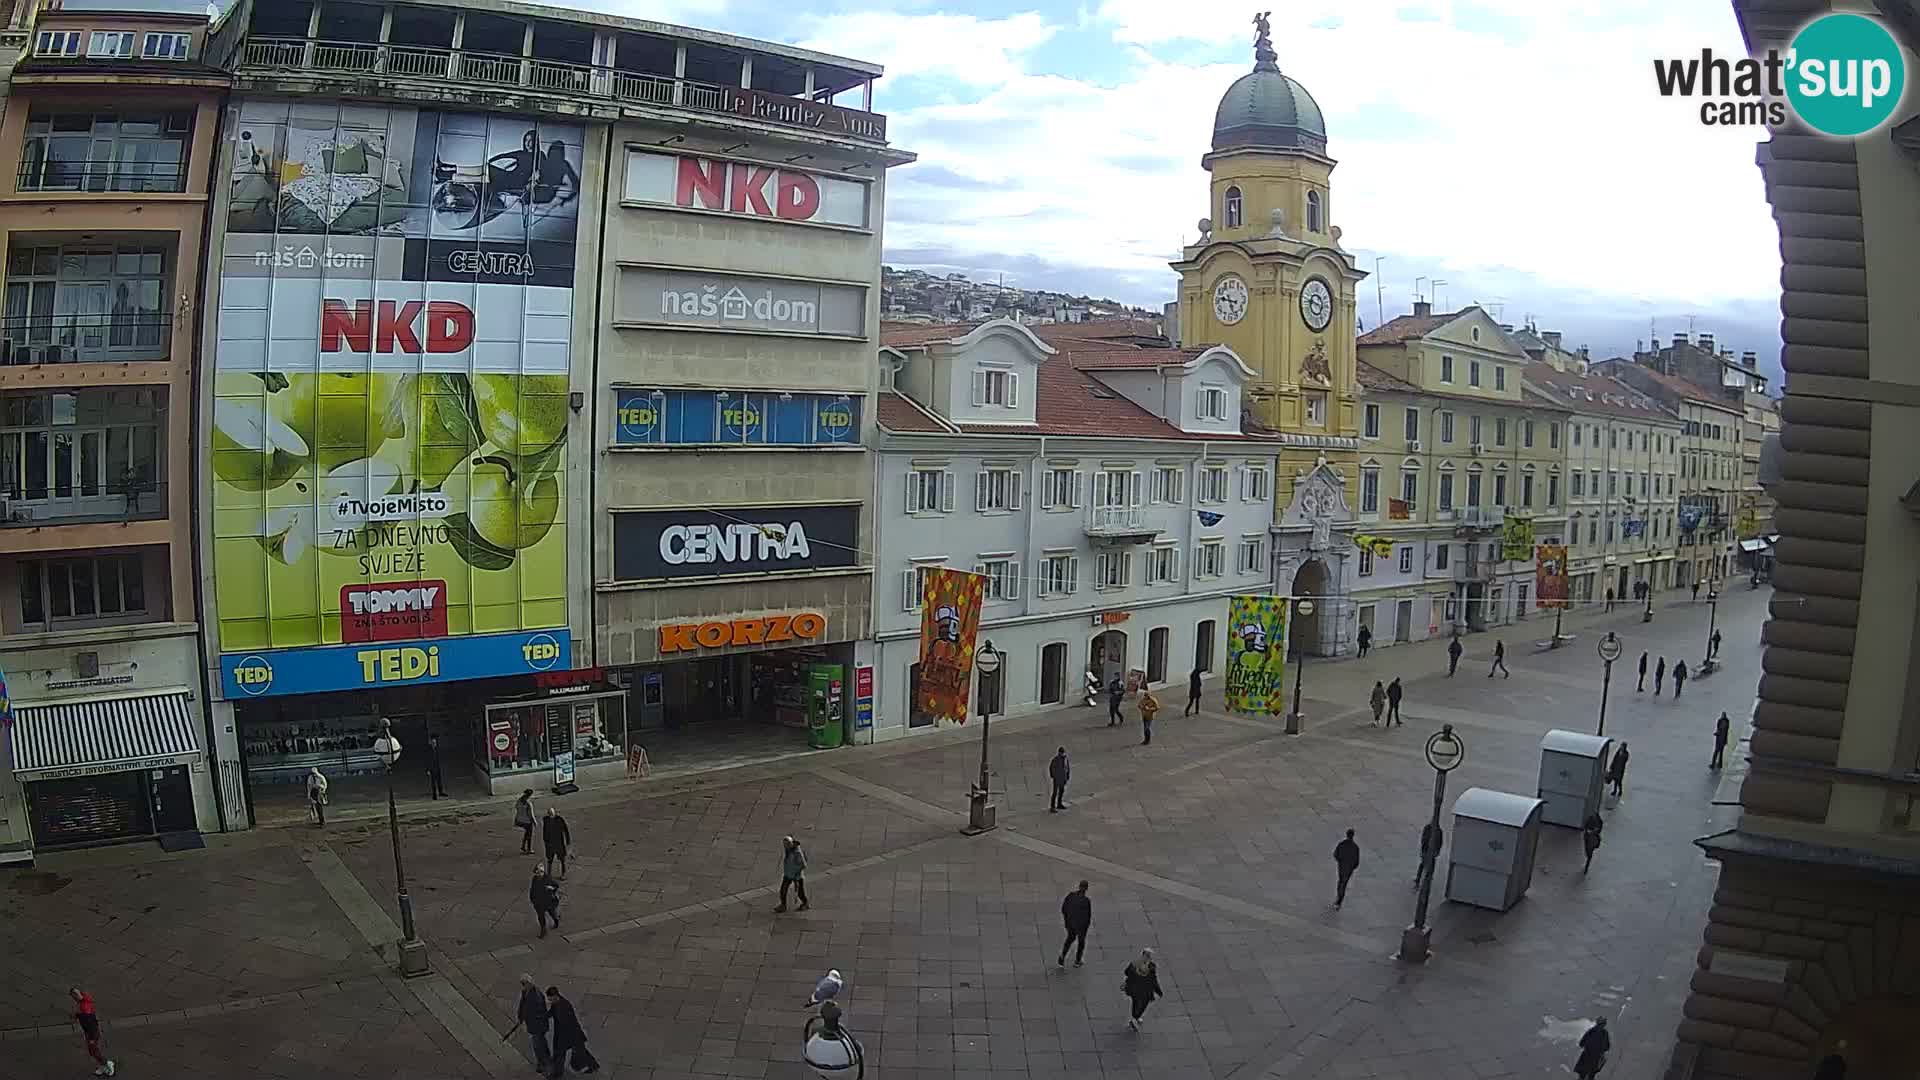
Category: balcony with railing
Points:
column 1125, row 524
column 93, row 177
column 80, row 500
column 81, row 338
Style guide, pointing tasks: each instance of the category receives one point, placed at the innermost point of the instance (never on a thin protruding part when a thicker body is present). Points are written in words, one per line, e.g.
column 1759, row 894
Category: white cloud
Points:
column 960, row 49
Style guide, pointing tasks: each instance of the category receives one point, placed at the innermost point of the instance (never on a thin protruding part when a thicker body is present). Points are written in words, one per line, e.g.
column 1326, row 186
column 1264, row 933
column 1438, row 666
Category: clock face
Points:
column 1230, row 300
column 1316, row 304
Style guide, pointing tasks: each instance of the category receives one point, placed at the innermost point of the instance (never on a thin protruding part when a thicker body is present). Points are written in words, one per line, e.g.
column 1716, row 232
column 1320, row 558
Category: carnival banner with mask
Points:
column 1256, row 654
column 1550, row 576
column 949, row 624
column 1516, row 538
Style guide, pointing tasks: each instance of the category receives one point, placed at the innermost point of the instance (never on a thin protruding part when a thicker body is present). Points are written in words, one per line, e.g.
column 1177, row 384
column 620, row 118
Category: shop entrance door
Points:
column 1403, row 621
column 172, row 791
column 89, row 809
column 1109, row 656
column 1053, row 673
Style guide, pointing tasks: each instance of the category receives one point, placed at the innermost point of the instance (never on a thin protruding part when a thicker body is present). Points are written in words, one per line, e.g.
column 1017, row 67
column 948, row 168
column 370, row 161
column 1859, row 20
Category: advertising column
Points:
column 391, row 399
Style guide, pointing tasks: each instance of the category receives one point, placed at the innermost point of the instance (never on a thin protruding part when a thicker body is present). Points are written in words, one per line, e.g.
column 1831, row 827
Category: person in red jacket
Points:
column 89, row 1021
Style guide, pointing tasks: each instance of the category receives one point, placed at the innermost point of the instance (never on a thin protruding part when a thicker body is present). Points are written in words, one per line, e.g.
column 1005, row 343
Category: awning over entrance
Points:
column 102, row 735
column 1755, row 544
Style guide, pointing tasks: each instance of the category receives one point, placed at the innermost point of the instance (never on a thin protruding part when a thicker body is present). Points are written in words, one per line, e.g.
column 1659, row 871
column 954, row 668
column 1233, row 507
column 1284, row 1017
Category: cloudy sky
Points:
column 1515, row 149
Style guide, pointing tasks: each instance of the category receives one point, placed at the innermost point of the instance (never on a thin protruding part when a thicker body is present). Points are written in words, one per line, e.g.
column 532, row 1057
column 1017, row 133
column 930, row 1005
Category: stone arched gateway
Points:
column 1306, row 634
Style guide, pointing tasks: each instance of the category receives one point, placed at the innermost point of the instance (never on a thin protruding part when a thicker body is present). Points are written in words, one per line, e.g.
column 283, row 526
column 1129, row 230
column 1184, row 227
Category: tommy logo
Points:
column 393, row 611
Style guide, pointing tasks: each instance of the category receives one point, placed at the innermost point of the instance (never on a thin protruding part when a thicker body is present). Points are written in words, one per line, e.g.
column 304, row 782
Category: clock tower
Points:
column 1269, row 279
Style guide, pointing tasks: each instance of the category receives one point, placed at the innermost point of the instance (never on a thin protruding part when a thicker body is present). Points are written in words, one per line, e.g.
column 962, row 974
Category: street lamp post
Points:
column 1713, row 625
column 1610, row 650
column 982, row 815
column 413, row 951
column 1445, row 752
column 1294, row 719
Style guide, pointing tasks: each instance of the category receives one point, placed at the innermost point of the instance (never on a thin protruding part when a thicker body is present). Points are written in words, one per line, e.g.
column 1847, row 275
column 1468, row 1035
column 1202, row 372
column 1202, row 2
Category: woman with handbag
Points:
column 1141, row 983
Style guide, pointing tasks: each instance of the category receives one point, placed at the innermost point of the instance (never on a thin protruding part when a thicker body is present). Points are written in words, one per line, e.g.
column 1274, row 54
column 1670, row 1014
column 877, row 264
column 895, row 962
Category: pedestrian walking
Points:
column 1116, row 693
column 1679, row 678
column 1609, row 601
column 793, row 873
column 1659, row 675
column 317, row 797
column 1590, row 838
column 569, row 1038
column 1499, row 660
column 557, row 838
column 1432, row 839
column 1077, row 912
column 523, row 820
column 1059, row 770
column 1346, row 859
column 434, row 778
column 1454, row 650
column 532, row 1014
column 1696, row 590
column 1193, row 694
column 1377, row 699
column 1141, row 984
column 1365, row 641
column 1720, row 729
column 1149, row 708
column 1713, row 644
column 1593, row 1050
column 544, row 894
column 1643, row 674
column 1393, row 702
column 88, row 1018
column 1617, row 769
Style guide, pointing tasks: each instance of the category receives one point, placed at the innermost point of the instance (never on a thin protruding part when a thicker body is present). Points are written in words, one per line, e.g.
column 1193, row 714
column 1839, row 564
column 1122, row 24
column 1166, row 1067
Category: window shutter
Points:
column 1076, row 488
column 980, row 490
column 1136, row 497
column 1073, row 574
column 1013, row 389
column 1174, row 574
column 910, row 589
column 1015, row 481
column 1013, row 581
column 946, row 490
column 913, row 492
column 979, row 387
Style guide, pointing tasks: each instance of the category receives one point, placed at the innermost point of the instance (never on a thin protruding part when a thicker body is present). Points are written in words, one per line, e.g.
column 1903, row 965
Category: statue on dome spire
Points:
column 1264, row 58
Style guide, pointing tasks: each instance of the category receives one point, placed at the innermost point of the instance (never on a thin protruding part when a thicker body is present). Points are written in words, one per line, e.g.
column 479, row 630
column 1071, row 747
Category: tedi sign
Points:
column 698, row 542
column 1843, row 75
column 751, row 189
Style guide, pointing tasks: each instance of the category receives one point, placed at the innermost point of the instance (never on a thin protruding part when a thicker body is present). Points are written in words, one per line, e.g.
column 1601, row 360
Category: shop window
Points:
column 1157, row 654
column 1203, row 645
column 529, row 736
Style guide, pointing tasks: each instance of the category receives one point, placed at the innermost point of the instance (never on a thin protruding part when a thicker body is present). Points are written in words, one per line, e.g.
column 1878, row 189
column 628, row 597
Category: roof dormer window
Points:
column 111, row 43
column 996, row 386
column 57, row 43
column 165, row 46
column 1213, row 403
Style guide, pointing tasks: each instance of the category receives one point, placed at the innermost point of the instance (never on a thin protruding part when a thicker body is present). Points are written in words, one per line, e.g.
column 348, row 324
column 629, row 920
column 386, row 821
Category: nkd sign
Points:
column 726, row 302
column 750, row 189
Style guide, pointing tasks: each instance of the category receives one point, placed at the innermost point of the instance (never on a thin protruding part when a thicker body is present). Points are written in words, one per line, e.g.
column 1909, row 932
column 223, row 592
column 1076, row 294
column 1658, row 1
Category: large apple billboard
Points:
column 389, row 423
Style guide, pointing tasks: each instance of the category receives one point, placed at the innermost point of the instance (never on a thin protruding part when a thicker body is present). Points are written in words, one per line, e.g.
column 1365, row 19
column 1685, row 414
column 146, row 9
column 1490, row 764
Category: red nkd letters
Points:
column 704, row 184
column 389, row 326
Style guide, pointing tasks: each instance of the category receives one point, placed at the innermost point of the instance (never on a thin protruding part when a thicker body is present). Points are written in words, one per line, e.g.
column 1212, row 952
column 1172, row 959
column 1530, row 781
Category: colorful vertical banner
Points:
column 6, row 703
column 1256, row 654
column 949, row 624
column 1550, row 576
column 1516, row 538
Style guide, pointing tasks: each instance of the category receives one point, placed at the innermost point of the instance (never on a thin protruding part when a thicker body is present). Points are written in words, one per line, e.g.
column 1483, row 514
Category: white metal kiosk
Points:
column 1573, row 776
column 1495, row 835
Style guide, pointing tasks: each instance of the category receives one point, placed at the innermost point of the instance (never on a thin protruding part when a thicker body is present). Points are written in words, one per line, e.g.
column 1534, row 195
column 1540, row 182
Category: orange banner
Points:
column 949, row 624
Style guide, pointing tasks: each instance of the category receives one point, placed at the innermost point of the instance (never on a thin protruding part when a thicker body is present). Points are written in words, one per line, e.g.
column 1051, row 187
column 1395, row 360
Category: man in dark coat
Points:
column 1590, row 838
column 1346, row 859
column 1193, row 694
column 1713, row 644
column 533, row 1017
column 1059, row 770
column 1617, row 769
column 1116, row 693
column 434, row 779
column 1609, row 600
column 1393, row 703
column 1679, row 678
column 569, row 1038
column 544, row 894
column 1643, row 674
column 557, row 837
column 1365, row 640
column 1659, row 675
column 1077, row 912
column 1720, row 730
column 1593, row 1050
column 1432, row 839
column 1454, row 650
column 1499, row 660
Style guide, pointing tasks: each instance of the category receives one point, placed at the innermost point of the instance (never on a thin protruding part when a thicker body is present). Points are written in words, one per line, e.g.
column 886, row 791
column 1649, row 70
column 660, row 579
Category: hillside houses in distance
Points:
column 920, row 296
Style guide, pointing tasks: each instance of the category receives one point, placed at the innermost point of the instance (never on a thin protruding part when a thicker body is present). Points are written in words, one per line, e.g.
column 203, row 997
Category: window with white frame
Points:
column 1410, row 424
column 1316, row 404
column 1117, row 488
column 1252, row 555
column 1553, row 436
column 1473, row 430
column 67, row 592
column 1113, row 570
column 1593, row 483
column 1499, row 377
column 1213, row 403
column 913, row 582
column 57, row 43
column 929, row 490
column 1406, row 558
column 1163, row 564
column 1003, row 576
column 1255, row 483
column 1526, row 433
column 996, row 489
column 1473, row 373
column 1499, row 489
column 110, row 43
column 1371, row 415
column 1526, row 489
column 1369, row 491
column 1213, row 484
column 1500, row 431
column 1442, row 556
column 1410, row 488
column 1060, row 488
column 1446, row 491
column 1210, row 559
column 1473, row 486
column 165, row 46
column 1059, row 574
column 1366, row 562
column 1446, row 427
column 996, row 386
column 1576, row 434
column 1446, row 369
column 1169, row 485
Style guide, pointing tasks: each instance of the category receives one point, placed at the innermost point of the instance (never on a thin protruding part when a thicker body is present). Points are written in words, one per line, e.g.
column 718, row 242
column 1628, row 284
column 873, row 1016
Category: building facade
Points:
column 105, row 150
column 1701, row 360
column 1106, row 492
column 451, row 374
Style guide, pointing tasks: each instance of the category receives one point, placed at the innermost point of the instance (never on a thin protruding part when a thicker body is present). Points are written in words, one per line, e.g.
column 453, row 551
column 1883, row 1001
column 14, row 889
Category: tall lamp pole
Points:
column 1294, row 719
column 1445, row 752
column 1713, row 627
column 982, row 815
column 1610, row 650
column 413, row 951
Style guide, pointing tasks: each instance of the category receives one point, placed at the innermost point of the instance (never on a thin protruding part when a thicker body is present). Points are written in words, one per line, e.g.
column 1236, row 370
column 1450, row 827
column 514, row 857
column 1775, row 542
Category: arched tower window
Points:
column 1314, row 216
column 1233, row 213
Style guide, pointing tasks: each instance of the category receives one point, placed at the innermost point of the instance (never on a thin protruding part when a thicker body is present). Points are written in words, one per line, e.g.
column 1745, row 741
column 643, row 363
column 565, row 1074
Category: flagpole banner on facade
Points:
column 1256, row 654
column 949, row 626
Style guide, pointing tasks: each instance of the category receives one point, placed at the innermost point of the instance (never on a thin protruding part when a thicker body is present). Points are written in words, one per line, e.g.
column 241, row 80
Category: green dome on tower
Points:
column 1265, row 108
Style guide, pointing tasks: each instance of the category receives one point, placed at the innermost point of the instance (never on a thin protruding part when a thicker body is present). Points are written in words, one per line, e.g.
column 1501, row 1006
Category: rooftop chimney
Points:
column 1422, row 309
column 1679, row 339
column 1749, row 361
column 1551, row 337
column 1706, row 343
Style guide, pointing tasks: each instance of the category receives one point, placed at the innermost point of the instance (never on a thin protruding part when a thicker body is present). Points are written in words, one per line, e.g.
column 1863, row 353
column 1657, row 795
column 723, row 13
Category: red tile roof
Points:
column 1685, row 388
column 1592, row 393
column 906, row 335
column 900, row 413
column 1374, row 379
column 1087, row 355
column 1405, row 328
column 1116, row 329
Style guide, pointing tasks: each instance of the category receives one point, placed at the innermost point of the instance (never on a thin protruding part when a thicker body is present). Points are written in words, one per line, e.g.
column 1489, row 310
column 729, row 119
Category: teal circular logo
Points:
column 1845, row 74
